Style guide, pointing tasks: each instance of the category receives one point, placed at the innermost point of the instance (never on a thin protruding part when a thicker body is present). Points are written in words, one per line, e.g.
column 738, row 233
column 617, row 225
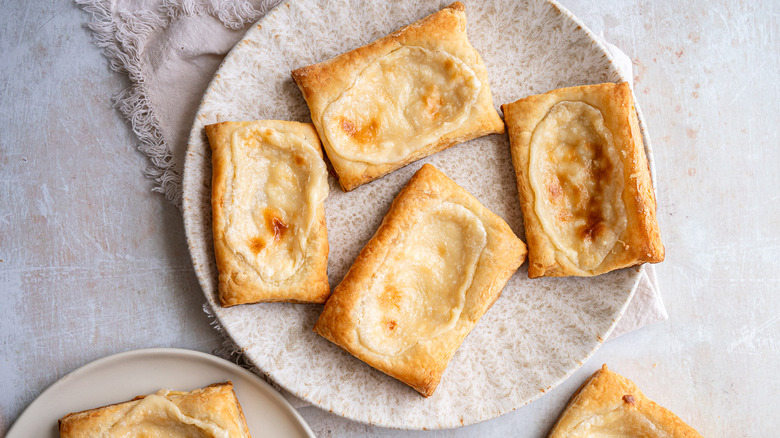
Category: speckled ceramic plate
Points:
column 536, row 334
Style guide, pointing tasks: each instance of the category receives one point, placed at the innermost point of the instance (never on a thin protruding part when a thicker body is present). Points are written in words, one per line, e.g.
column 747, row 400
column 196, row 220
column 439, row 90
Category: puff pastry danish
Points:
column 269, row 184
column 583, row 180
column 408, row 95
column 609, row 405
column 435, row 265
column 213, row 411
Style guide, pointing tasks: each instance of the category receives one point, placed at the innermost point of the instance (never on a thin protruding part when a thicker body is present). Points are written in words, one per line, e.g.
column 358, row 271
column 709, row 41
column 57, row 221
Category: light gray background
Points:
column 92, row 263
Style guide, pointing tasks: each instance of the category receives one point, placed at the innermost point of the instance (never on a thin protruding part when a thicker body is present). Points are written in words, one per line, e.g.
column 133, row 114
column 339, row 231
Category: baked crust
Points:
column 438, row 38
column 583, row 180
column 608, row 404
column 214, row 408
column 240, row 278
column 434, row 229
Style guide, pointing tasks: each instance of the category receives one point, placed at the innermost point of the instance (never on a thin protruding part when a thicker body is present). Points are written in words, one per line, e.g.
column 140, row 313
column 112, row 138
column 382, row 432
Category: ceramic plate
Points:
column 537, row 333
column 121, row 377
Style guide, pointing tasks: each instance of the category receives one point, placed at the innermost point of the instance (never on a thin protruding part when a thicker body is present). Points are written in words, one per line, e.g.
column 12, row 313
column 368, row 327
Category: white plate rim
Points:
column 19, row 426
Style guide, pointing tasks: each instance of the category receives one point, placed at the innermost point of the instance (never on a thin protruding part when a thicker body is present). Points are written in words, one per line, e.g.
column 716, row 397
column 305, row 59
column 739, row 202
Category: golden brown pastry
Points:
column 609, row 405
column 436, row 264
column 213, row 411
column 268, row 190
column 583, row 179
column 408, row 95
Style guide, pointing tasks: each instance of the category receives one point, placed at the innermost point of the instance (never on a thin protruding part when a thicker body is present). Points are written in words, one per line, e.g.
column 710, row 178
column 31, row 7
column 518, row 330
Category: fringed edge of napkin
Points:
column 122, row 35
column 235, row 354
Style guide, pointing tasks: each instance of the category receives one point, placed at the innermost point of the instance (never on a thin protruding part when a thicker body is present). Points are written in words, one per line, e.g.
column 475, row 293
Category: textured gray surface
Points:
column 92, row 263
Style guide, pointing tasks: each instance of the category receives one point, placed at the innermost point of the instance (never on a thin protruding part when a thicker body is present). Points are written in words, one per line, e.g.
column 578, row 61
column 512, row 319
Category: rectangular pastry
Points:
column 583, row 180
column 401, row 98
column 610, row 405
column 213, row 411
column 269, row 184
column 436, row 264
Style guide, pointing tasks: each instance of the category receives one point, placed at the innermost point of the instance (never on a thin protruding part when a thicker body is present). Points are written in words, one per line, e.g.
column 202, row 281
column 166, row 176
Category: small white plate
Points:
column 122, row 376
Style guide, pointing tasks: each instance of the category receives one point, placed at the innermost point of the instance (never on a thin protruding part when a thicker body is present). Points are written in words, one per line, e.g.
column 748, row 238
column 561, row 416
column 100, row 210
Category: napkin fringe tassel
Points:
column 233, row 353
column 122, row 36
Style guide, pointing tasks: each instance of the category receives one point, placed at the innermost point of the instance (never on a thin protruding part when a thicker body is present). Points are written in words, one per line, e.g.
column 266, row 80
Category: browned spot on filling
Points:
column 299, row 160
column 584, row 202
column 600, row 166
column 628, row 398
column 432, row 107
column 391, row 297
column 256, row 244
column 452, row 70
column 564, row 215
column 599, row 169
column 252, row 142
column 433, row 101
column 364, row 134
column 594, row 225
column 275, row 223
column 560, row 190
column 391, row 325
column 555, row 190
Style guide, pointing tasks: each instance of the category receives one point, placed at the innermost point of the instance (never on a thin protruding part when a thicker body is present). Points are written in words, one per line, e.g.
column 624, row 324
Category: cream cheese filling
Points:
column 577, row 179
column 617, row 423
column 420, row 289
column 155, row 416
column 402, row 102
column 277, row 183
